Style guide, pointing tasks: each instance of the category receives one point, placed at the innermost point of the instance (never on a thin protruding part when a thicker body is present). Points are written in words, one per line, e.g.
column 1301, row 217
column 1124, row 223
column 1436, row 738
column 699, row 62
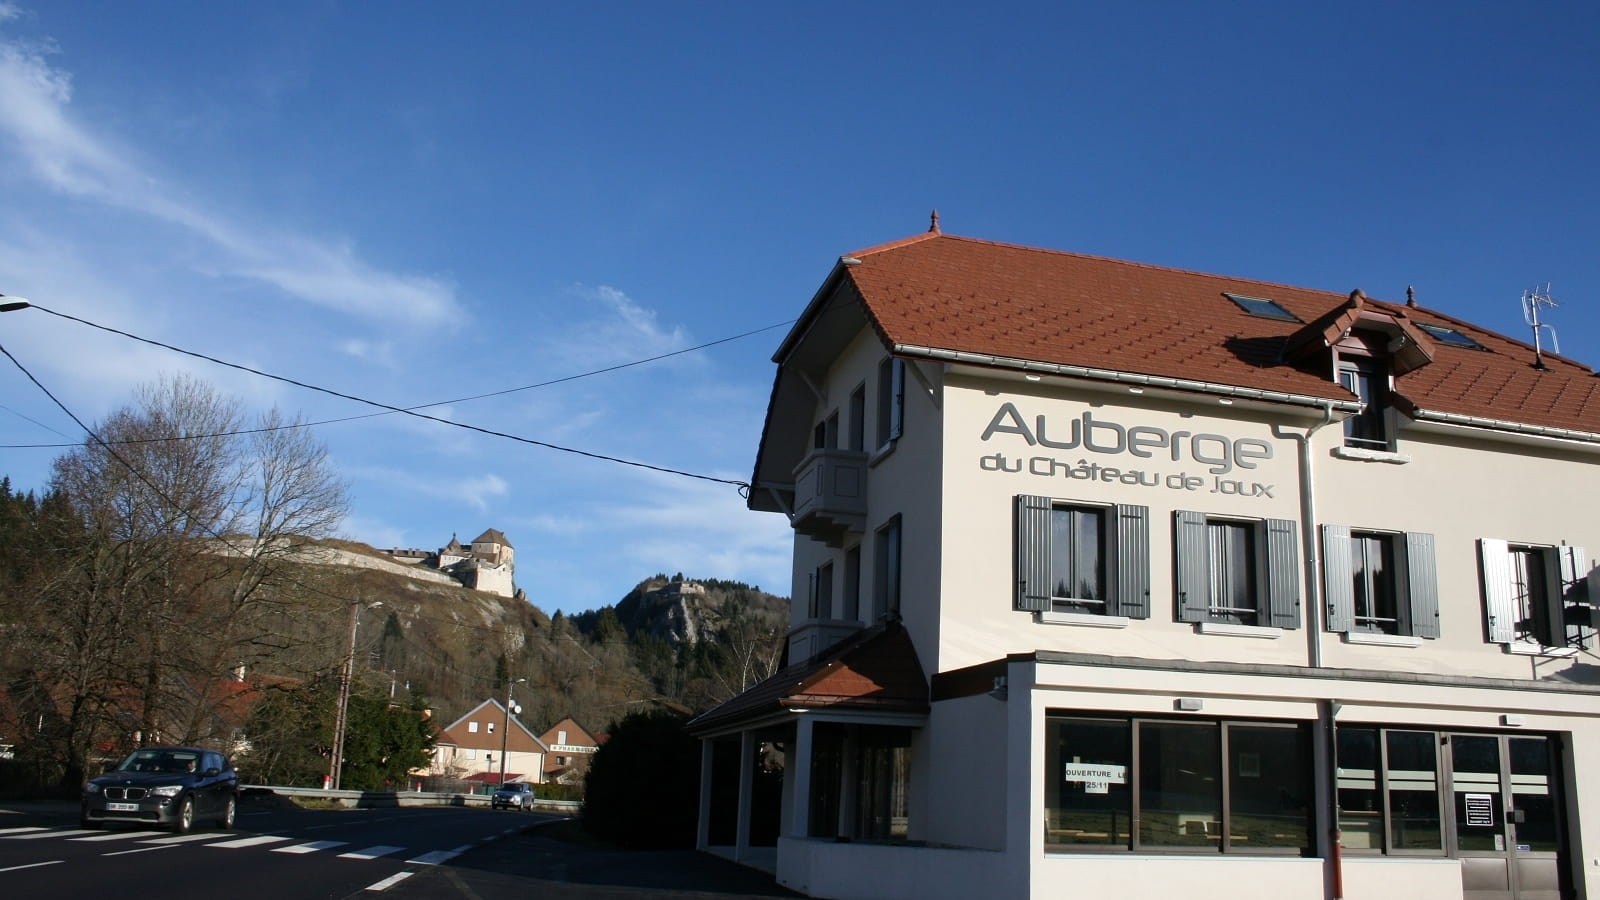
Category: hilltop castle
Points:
column 487, row 564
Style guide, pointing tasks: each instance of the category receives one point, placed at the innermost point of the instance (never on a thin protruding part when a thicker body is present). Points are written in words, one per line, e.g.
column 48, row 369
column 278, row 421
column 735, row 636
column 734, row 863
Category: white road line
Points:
column 312, row 847
column 186, row 838
column 250, row 841
column 434, row 857
column 383, row 885
column 139, row 850
column 116, row 836
column 370, row 852
column 32, row 865
column 9, row 831
column 47, row 834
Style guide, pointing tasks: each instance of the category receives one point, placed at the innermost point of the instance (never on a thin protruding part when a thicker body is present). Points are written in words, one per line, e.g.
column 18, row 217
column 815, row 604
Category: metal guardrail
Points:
column 383, row 799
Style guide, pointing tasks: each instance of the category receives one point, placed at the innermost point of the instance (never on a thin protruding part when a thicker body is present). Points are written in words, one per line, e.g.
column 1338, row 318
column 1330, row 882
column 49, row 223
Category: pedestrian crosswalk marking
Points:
column 312, row 847
column 7, row 832
column 371, row 852
column 250, row 841
column 46, row 834
column 184, row 838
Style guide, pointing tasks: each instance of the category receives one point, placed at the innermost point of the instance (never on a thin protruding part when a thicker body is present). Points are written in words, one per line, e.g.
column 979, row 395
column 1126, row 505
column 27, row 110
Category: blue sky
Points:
column 412, row 203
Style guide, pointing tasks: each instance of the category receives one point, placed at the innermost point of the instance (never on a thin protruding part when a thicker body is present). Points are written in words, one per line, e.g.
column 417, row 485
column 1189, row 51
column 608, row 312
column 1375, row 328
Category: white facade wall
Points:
column 978, row 781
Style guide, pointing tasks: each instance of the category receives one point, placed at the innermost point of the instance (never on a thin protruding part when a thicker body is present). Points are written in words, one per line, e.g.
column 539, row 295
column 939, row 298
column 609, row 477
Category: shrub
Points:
column 643, row 787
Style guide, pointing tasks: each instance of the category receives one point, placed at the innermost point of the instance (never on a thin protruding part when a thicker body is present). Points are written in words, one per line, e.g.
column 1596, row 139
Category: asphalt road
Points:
column 287, row 852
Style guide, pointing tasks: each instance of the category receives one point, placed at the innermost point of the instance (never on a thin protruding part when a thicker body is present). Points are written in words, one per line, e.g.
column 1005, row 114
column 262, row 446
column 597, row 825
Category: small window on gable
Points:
column 1262, row 308
column 472, row 727
column 1368, row 379
column 1445, row 335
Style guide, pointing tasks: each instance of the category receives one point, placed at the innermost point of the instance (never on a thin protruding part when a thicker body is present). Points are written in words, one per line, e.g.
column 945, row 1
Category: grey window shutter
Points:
column 1132, row 561
column 1552, row 624
column 1338, row 567
column 1282, row 604
column 897, row 413
column 1575, row 592
column 1422, row 584
column 1033, row 553
column 1193, row 573
column 1575, row 574
column 1499, row 605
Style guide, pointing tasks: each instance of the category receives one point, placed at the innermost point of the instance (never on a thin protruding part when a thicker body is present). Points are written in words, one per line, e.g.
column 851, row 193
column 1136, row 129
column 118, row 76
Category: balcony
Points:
column 830, row 495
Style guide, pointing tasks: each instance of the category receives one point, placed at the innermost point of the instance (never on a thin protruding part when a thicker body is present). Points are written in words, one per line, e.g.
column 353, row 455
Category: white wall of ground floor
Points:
column 978, row 797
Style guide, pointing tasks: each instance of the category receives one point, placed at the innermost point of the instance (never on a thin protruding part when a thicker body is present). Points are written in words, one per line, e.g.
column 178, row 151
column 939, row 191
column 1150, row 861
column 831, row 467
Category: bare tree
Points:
column 180, row 567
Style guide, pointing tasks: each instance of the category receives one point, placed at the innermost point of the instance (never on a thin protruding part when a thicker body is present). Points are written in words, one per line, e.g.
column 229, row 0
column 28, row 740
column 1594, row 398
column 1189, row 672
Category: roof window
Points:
column 1262, row 307
column 1449, row 336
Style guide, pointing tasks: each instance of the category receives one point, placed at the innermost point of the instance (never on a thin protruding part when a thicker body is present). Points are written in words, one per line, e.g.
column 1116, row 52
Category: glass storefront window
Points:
column 1087, row 785
column 1413, row 778
column 1531, row 796
column 1360, row 805
column 1181, row 793
column 1269, row 787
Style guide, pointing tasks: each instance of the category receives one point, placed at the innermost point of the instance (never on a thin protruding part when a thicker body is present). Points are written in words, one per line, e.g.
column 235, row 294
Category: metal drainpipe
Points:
column 1323, row 750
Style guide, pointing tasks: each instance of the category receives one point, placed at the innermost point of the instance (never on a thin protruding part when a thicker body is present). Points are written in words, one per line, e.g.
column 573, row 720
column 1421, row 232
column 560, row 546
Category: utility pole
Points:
column 341, row 714
column 505, row 732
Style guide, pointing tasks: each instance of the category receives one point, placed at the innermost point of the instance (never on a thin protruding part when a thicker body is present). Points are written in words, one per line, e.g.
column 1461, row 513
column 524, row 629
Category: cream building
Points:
column 1122, row 581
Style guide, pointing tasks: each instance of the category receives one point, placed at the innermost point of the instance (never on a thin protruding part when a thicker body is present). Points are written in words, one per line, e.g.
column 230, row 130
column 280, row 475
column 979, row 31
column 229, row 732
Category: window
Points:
column 1449, row 336
column 561, row 737
column 1531, row 593
column 860, row 781
column 852, row 584
column 472, row 727
column 891, row 400
column 1077, row 559
column 825, row 436
column 1380, row 583
column 1237, row 572
column 1389, row 790
column 1082, row 559
column 491, row 727
column 886, row 571
column 822, row 592
column 1196, row 785
column 1262, row 307
column 1369, row 381
column 858, row 418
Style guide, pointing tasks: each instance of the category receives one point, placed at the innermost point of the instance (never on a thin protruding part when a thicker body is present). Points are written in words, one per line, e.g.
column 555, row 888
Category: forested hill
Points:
column 676, row 642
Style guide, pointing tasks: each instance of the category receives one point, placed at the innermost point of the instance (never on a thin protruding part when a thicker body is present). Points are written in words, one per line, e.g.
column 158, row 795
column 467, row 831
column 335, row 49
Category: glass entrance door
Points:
column 1506, row 816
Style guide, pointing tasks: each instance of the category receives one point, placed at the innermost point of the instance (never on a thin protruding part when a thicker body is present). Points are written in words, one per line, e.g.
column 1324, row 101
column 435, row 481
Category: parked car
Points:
column 172, row 786
column 517, row 795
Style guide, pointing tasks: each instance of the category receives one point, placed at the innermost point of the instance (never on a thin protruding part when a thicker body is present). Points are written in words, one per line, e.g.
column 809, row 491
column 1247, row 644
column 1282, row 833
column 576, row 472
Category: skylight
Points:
column 1445, row 335
column 1262, row 307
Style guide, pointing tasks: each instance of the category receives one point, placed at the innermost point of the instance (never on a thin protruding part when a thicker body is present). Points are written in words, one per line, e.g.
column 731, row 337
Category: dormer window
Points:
column 1368, row 379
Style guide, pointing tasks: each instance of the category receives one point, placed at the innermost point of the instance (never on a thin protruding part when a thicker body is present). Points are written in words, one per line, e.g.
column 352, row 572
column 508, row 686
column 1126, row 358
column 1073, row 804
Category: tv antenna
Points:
column 1532, row 299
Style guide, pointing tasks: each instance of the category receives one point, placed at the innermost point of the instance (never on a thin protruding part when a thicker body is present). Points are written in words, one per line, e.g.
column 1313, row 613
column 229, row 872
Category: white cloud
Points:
column 67, row 156
column 9, row 11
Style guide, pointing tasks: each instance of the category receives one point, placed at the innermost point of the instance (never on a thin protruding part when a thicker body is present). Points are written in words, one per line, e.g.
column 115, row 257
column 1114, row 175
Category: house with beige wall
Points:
column 1118, row 580
column 486, row 741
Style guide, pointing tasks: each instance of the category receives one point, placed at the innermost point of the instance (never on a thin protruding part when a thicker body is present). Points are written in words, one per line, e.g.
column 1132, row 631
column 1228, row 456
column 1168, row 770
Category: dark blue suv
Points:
column 173, row 786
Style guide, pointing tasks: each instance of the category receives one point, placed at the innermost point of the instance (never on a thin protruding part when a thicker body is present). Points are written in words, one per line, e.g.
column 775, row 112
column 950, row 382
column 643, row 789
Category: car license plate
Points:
column 122, row 807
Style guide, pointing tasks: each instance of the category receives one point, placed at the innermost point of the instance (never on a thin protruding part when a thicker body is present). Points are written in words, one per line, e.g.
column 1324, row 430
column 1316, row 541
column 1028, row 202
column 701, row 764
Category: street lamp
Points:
column 505, row 731
column 12, row 304
column 346, row 675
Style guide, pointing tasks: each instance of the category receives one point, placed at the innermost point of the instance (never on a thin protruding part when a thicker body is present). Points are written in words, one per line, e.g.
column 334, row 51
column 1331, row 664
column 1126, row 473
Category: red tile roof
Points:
column 957, row 294
column 877, row 670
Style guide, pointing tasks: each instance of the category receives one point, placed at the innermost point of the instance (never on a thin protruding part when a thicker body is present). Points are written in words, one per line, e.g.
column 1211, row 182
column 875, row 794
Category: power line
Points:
column 742, row 486
column 335, row 421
